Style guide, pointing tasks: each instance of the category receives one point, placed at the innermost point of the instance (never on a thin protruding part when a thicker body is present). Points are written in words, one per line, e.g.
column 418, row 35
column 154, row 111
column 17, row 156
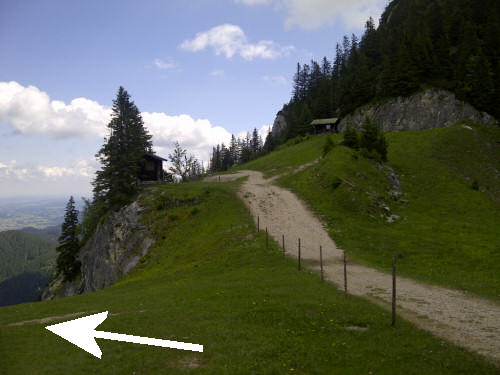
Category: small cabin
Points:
column 326, row 125
column 152, row 168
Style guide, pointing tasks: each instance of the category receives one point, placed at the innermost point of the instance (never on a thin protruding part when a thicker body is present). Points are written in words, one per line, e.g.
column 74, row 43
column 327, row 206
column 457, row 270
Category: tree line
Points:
column 239, row 151
column 448, row 44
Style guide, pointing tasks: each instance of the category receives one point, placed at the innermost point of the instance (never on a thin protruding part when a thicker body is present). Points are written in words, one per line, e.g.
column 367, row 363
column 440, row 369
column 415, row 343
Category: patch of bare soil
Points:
column 470, row 322
column 46, row 320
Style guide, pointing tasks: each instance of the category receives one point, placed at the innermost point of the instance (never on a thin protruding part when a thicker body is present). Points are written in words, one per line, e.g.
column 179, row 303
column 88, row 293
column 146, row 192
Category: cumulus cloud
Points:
column 196, row 136
column 30, row 111
column 230, row 40
column 13, row 170
column 263, row 132
column 79, row 168
column 314, row 14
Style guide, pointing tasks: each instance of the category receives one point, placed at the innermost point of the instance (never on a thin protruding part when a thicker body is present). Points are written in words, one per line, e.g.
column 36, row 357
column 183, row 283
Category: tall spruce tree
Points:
column 122, row 153
column 69, row 245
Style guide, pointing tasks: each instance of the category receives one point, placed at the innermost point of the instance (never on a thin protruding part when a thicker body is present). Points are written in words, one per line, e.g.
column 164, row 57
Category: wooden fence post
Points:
column 394, row 289
column 299, row 254
column 283, row 240
column 321, row 261
column 345, row 276
column 258, row 224
column 267, row 240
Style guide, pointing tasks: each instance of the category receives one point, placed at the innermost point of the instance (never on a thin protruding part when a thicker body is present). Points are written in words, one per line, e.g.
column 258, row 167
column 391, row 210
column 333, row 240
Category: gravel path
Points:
column 468, row 321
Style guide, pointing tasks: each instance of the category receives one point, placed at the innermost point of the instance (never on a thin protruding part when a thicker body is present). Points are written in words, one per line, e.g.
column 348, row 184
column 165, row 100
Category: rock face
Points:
column 114, row 249
column 426, row 110
column 279, row 125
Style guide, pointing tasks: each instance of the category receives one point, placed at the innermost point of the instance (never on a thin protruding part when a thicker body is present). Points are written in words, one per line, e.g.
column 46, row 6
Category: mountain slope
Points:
column 209, row 279
column 447, row 207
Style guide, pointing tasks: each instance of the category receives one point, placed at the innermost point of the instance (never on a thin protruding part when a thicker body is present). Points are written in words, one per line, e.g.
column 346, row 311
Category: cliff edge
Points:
column 117, row 245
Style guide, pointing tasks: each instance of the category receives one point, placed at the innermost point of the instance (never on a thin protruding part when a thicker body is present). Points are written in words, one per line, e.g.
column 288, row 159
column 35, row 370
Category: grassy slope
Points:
column 448, row 232
column 208, row 280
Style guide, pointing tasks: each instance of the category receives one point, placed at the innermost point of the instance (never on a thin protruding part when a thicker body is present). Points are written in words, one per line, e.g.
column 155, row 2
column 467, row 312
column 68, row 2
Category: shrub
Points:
column 328, row 145
column 351, row 138
column 475, row 185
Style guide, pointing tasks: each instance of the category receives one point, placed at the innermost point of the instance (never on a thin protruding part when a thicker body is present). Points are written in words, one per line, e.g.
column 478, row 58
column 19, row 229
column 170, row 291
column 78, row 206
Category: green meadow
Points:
column 448, row 208
column 209, row 280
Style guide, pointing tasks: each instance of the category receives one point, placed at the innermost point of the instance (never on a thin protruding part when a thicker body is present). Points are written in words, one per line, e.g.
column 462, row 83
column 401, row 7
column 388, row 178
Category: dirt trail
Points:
column 468, row 321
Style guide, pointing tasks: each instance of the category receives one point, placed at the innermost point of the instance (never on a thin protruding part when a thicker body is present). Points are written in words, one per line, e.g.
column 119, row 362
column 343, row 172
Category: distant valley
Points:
column 19, row 213
column 29, row 229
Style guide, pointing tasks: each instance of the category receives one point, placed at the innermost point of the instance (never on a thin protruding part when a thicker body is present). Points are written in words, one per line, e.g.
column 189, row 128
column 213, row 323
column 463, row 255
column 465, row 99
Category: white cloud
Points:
column 196, row 136
column 30, row 111
column 278, row 80
column 263, row 131
column 230, row 40
column 314, row 14
column 79, row 168
column 165, row 65
column 217, row 73
column 13, row 170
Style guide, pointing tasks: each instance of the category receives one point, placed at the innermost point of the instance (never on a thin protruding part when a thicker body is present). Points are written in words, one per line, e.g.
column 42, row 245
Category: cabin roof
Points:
column 154, row 157
column 325, row 121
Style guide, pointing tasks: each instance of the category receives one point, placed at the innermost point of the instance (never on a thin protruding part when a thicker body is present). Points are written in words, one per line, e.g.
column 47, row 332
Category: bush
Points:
column 475, row 185
column 328, row 145
column 351, row 138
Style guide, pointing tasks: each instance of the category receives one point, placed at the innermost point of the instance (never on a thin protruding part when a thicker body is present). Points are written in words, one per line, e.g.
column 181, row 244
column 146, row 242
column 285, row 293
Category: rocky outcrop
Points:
column 426, row 110
column 114, row 249
column 279, row 125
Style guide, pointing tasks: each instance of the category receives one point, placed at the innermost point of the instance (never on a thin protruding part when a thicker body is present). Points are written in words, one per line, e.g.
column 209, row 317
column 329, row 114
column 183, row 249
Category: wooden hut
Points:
column 152, row 168
column 326, row 125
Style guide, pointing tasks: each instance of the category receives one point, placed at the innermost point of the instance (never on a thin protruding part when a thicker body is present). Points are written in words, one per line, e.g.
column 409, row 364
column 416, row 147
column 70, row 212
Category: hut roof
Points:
column 325, row 121
column 155, row 157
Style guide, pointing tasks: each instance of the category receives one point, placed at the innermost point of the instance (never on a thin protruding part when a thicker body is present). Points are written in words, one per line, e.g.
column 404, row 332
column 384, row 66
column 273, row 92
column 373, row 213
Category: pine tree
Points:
column 479, row 84
column 69, row 245
column 306, row 118
column 255, row 143
column 372, row 139
column 122, row 153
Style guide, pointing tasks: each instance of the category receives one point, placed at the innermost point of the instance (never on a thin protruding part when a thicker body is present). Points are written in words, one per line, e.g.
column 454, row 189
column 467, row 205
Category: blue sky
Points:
column 198, row 70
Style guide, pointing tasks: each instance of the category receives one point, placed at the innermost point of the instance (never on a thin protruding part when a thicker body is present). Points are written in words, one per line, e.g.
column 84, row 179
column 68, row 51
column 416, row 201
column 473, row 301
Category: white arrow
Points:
column 82, row 333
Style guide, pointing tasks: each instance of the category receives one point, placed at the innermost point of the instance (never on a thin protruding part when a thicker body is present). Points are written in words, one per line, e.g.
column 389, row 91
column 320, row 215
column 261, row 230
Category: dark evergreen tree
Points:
column 233, row 151
column 372, row 139
column 67, row 263
column 122, row 153
column 270, row 143
column 306, row 118
column 225, row 157
column 255, row 143
column 479, row 83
